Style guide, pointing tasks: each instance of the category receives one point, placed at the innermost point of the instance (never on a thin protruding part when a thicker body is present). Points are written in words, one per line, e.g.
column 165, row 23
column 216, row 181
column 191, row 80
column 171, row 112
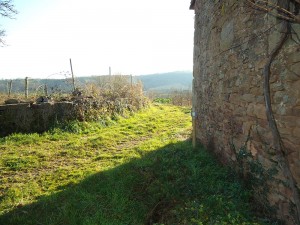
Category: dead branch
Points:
column 269, row 8
column 298, row 1
column 251, row 37
column 7, row 9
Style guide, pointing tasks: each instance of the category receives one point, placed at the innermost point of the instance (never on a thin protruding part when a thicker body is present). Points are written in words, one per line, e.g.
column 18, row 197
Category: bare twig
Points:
column 7, row 9
column 298, row 1
column 273, row 6
column 251, row 38
column 269, row 7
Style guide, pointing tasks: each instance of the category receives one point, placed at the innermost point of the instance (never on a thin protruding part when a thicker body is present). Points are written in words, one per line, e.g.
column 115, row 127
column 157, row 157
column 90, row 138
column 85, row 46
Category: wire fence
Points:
column 28, row 90
column 36, row 87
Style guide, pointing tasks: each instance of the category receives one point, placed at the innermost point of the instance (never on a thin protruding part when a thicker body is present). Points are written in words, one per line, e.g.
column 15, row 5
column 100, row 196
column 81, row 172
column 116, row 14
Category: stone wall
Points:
column 25, row 117
column 231, row 46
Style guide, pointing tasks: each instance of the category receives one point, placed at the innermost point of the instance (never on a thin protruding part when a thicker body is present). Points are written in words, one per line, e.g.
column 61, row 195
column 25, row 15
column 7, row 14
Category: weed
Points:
column 16, row 163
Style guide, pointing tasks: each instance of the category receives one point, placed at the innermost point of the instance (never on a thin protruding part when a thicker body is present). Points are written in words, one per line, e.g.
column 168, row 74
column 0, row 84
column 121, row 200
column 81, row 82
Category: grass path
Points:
column 33, row 165
column 139, row 170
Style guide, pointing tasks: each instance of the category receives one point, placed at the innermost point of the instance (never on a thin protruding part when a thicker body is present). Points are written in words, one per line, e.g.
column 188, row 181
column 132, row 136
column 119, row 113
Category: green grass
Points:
column 139, row 170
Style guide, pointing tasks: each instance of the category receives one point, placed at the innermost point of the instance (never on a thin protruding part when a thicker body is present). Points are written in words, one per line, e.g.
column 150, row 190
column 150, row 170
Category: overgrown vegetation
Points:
column 112, row 97
column 139, row 170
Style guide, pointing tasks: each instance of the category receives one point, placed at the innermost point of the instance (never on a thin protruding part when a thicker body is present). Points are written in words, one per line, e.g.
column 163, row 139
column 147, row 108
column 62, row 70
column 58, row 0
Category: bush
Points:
column 112, row 96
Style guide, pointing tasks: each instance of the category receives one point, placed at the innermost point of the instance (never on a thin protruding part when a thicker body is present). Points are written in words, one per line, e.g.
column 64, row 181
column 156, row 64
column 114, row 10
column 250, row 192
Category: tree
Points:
column 7, row 9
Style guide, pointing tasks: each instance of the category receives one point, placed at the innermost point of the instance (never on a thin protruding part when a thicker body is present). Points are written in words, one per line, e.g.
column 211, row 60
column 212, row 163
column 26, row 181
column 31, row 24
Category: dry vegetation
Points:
column 113, row 96
column 110, row 97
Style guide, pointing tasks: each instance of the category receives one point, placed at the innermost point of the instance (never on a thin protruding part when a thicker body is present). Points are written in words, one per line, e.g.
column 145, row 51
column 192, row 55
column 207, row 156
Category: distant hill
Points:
column 151, row 82
column 165, row 81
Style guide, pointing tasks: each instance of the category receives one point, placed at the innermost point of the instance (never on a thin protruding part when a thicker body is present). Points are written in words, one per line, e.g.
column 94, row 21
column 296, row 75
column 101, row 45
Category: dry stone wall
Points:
column 232, row 44
column 26, row 117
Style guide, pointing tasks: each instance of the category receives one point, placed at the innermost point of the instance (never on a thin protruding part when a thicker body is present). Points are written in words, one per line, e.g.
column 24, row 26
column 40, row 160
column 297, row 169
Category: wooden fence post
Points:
column 46, row 90
column 73, row 79
column 26, row 87
column 9, row 87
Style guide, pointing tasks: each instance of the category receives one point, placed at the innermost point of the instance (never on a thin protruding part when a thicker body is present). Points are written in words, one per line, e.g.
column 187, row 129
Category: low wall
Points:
column 25, row 117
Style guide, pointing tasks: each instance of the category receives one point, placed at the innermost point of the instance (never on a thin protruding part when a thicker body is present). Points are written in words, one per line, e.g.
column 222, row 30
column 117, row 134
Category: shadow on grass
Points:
column 172, row 185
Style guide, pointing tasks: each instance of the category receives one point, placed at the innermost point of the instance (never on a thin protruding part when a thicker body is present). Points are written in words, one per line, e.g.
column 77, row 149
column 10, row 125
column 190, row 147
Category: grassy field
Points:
column 136, row 170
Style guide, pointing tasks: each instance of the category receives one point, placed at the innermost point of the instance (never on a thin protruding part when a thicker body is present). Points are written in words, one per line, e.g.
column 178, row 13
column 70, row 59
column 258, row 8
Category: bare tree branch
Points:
column 7, row 9
column 298, row 1
column 270, row 7
column 251, row 37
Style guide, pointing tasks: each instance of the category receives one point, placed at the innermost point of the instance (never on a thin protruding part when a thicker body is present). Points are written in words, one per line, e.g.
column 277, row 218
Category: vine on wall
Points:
column 282, row 11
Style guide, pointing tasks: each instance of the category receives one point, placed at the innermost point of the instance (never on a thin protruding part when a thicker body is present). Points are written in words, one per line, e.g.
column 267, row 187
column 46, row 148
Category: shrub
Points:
column 113, row 96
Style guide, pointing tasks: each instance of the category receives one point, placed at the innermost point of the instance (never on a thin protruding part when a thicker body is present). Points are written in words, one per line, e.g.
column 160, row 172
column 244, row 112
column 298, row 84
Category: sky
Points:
column 130, row 36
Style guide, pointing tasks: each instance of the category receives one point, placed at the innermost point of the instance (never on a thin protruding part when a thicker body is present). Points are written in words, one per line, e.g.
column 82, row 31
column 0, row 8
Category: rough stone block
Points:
column 260, row 111
column 296, row 132
column 249, row 97
column 227, row 35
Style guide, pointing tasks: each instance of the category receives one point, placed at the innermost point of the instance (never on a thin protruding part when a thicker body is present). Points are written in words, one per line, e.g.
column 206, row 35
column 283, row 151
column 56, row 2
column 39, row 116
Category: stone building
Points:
column 233, row 43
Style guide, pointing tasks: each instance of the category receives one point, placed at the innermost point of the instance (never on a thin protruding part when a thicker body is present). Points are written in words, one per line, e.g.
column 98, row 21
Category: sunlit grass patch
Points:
column 19, row 163
column 77, row 146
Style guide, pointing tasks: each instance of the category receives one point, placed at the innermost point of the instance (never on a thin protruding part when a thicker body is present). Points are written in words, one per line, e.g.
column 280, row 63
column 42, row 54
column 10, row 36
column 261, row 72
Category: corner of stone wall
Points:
column 232, row 44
